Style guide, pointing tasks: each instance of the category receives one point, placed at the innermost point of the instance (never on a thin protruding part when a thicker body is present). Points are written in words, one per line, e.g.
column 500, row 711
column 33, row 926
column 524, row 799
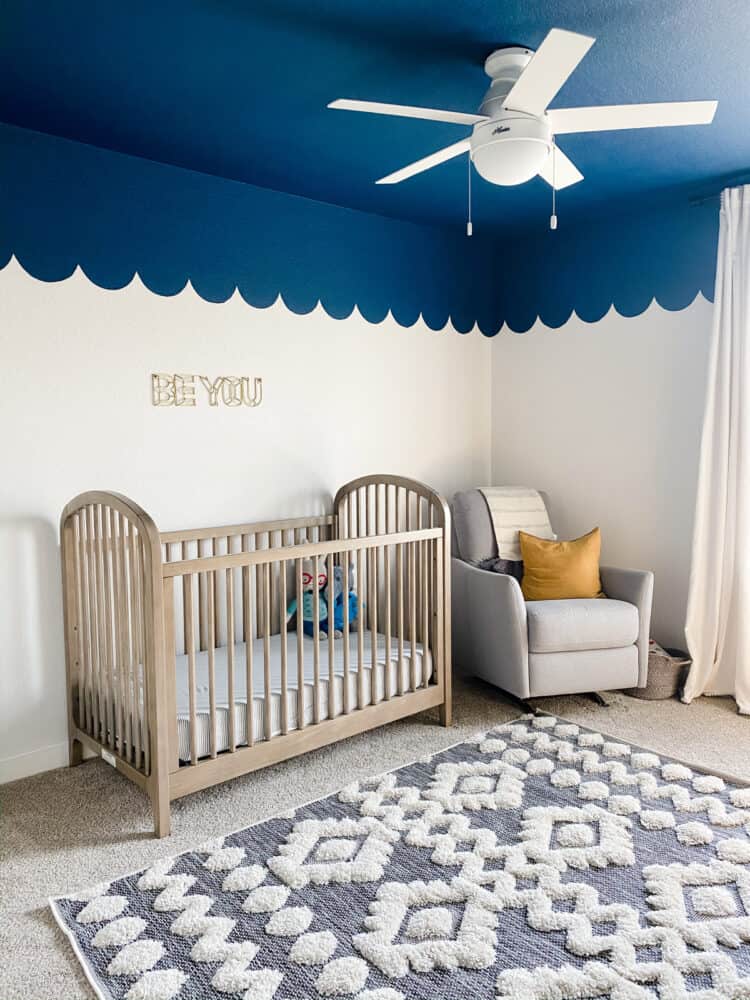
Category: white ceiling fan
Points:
column 514, row 133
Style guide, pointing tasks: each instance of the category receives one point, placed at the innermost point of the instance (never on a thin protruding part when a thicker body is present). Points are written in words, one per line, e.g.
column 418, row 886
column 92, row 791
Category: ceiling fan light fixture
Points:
column 510, row 150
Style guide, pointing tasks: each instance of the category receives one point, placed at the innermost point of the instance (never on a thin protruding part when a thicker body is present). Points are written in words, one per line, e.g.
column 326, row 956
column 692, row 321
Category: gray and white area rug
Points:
column 538, row 861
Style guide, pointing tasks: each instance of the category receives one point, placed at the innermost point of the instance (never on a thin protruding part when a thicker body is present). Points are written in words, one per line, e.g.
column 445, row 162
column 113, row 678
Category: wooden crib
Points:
column 183, row 669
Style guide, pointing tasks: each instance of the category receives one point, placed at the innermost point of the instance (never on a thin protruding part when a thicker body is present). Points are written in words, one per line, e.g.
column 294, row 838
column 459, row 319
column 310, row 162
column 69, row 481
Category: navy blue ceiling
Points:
column 238, row 89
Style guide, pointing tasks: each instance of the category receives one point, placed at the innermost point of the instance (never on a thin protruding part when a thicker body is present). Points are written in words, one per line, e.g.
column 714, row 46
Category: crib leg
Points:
column 161, row 811
column 446, row 714
column 75, row 752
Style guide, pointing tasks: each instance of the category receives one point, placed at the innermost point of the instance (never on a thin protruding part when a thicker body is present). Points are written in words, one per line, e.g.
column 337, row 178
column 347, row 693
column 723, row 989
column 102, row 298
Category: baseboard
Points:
column 26, row 764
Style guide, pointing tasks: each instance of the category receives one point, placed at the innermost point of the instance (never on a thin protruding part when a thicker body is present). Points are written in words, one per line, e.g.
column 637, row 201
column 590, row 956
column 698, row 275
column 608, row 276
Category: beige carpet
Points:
column 68, row 829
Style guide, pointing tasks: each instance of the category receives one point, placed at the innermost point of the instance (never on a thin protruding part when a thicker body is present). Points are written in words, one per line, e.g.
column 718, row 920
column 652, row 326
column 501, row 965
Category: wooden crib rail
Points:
column 302, row 551
column 113, row 616
column 249, row 528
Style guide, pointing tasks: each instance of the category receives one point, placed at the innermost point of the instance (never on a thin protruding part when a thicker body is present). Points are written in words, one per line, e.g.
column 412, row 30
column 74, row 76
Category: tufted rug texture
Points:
column 538, row 861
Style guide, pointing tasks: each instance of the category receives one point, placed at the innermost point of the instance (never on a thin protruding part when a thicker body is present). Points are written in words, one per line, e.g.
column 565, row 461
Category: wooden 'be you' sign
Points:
column 227, row 390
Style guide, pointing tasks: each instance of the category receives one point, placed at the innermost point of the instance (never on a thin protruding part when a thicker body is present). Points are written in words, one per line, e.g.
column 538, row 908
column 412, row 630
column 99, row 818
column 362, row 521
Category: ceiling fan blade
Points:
column 550, row 67
column 406, row 111
column 559, row 171
column 426, row 163
column 617, row 116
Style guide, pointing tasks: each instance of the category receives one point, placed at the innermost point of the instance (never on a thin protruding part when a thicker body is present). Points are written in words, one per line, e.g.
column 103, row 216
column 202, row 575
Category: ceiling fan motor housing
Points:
column 503, row 67
column 511, row 146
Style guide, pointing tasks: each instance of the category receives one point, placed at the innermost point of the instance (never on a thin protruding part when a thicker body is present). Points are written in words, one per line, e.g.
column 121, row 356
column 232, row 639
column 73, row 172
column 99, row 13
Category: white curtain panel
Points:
column 718, row 615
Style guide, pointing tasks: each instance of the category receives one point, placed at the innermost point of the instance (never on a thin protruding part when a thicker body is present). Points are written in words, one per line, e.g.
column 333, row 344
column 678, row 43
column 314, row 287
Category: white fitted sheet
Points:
column 423, row 669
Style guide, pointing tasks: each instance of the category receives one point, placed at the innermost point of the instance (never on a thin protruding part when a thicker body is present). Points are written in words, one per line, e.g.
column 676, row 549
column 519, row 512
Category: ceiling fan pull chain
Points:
column 553, row 217
column 469, row 224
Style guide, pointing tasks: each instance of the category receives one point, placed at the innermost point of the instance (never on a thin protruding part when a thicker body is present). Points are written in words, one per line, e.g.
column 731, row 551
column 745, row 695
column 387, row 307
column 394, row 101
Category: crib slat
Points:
column 413, row 614
column 267, row 647
column 247, row 628
column 258, row 590
column 411, row 590
column 284, row 669
column 300, row 648
column 84, row 620
column 439, row 648
column 331, row 643
column 185, row 579
column 360, row 638
column 372, row 556
column 274, row 571
column 192, row 694
column 135, row 659
column 127, row 597
column 202, row 602
column 245, row 547
column 211, row 636
column 109, row 638
column 424, row 546
column 388, row 574
column 387, row 624
column 345, row 560
column 118, row 656
column 142, row 680
column 230, row 655
column 170, row 737
column 400, row 614
column 216, row 596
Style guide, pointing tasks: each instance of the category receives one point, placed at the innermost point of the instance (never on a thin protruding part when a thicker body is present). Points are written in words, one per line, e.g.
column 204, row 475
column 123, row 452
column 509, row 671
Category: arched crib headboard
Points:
column 114, row 626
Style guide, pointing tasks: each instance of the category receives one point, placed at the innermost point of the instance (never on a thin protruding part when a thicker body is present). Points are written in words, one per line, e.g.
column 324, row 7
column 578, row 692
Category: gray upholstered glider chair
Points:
column 537, row 648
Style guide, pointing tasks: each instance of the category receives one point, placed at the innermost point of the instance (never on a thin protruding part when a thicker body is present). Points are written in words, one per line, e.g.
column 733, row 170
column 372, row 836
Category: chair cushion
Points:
column 555, row 570
column 472, row 526
column 596, row 623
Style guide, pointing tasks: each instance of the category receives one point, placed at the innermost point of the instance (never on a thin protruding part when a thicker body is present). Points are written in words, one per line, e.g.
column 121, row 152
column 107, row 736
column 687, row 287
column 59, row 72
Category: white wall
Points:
column 607, row 418
column 341, row 398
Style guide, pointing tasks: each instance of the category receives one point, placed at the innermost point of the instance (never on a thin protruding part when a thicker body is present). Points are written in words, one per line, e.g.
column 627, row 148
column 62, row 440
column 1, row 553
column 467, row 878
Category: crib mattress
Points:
column 422, row 662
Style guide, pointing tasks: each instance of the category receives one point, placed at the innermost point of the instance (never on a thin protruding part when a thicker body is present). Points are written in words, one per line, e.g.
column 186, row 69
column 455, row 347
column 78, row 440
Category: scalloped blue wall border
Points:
column 64, row 204
column 665, row 252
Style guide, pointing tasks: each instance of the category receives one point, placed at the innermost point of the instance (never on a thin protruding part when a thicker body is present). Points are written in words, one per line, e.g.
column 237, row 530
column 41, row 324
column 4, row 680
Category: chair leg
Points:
column 523, row 704
column 599, row 699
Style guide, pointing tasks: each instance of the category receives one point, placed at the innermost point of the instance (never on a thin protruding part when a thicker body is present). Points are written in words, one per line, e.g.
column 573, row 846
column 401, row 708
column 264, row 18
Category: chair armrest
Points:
column 490, row 637
column 636, row 587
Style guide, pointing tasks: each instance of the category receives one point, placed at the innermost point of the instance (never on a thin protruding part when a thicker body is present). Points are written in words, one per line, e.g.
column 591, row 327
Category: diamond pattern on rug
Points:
column 537, row 860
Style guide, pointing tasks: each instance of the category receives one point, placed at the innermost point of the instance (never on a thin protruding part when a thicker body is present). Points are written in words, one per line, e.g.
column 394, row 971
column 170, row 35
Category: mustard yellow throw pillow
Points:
column 554, row 571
